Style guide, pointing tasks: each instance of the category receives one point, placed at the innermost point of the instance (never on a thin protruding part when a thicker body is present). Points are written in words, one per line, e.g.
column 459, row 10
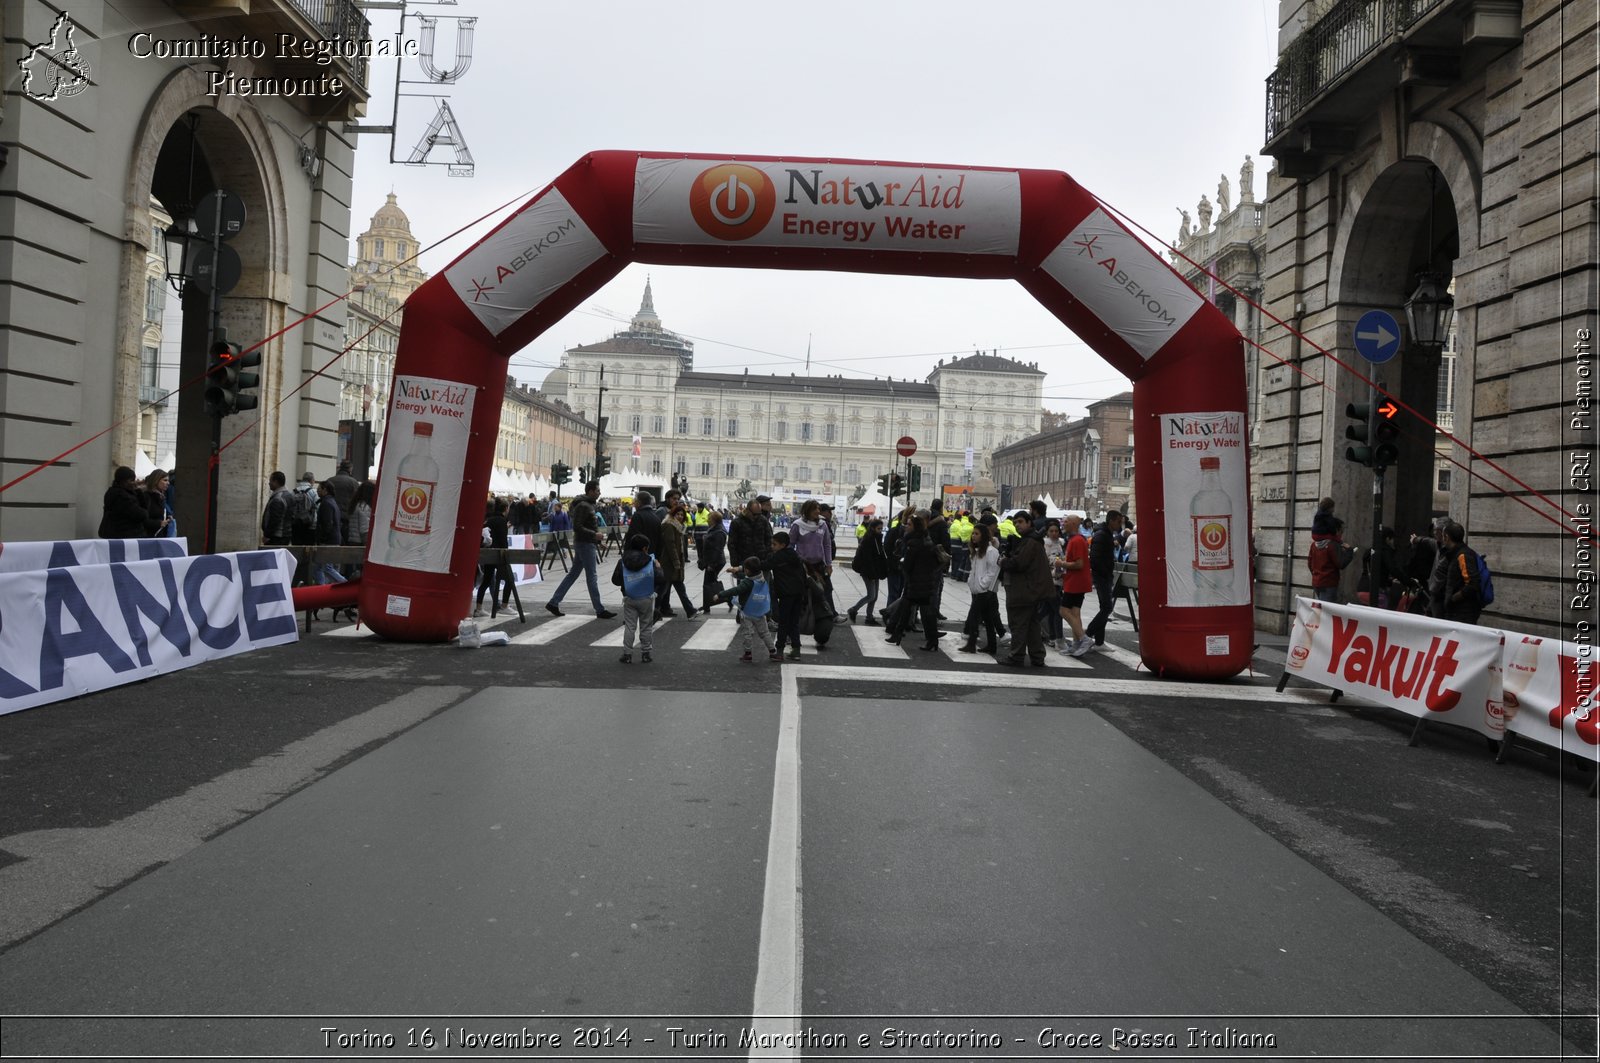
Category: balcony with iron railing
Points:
column 327, row 37
column 1339, row 68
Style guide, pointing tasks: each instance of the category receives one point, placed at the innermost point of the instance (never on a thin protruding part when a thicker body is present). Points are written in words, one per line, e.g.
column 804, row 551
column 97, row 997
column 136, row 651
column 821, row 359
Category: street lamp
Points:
column 1429, row 311
column 175, row 248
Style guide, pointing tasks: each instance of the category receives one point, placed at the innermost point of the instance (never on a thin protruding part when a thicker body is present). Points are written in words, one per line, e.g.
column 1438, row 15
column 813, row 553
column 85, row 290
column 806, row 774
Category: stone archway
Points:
column 1406, row 217
column 232, row 150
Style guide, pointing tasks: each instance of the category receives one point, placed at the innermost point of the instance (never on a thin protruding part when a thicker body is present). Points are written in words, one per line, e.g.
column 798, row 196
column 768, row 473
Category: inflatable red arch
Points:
column 1038, row 227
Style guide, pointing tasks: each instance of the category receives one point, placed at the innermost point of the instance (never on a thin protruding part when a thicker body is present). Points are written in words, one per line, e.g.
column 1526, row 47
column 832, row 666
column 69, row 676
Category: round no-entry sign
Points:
column 906, row 446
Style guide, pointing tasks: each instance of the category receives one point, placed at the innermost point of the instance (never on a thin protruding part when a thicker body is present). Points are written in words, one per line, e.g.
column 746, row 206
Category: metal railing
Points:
column 1334, row 45
column 341, row 20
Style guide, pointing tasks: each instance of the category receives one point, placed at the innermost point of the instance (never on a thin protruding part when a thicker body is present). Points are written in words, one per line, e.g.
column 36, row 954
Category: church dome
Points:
column 391, row 217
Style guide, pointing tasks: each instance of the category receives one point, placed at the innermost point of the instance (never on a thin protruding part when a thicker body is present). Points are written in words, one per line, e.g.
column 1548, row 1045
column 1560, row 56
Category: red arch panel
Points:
column 1038, row 227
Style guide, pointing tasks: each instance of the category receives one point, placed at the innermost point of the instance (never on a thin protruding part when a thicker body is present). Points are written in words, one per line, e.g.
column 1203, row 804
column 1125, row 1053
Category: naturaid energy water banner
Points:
column 69, row 631
column 419, row 494
column 1485, row 679
column 873, row 207
column 1207, row 516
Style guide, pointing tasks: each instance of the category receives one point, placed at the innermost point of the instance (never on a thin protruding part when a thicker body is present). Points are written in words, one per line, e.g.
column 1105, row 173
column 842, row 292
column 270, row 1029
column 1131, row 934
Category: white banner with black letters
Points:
column 71, row 630
column 29, row 556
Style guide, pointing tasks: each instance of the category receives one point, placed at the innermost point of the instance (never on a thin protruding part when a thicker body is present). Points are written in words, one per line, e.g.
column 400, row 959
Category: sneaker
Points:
column 604, row 614
column 794, row 655
column 747, row 659
column 552, row 608
column 1082, row 647
column 626, row 658
column 775, row 656
column 645, row 657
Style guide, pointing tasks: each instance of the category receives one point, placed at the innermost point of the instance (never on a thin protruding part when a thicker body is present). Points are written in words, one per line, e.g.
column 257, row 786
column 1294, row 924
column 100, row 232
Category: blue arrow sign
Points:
column 1377, row 336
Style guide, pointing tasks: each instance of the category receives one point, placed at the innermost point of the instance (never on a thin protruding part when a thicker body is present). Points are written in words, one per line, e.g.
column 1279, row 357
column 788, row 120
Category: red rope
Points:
column 260, row 343
column 1353, row 371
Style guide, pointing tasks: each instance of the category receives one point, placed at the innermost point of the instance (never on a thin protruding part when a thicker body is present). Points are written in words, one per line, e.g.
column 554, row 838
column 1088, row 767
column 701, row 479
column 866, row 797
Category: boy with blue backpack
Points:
column 639, row 575
column 755, row 603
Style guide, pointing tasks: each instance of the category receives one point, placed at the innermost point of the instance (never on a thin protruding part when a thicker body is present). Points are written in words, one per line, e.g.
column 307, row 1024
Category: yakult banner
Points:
column 28, row 557
column 1207, row 512
column 1419, row 665
column 520, row 264
column 827, row 204
column 69, row 631
column 420, row 494
column 1106, row 268
column 1548, row 693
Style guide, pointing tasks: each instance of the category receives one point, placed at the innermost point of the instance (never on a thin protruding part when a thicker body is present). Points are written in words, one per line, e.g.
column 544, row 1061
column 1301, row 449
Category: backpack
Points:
column 303, row 509
column 640, row 583
column 760, row 601
column 1485, row 580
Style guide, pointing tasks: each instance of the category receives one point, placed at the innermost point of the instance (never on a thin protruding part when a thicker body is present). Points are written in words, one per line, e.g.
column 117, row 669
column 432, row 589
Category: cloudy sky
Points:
column 1144, row 102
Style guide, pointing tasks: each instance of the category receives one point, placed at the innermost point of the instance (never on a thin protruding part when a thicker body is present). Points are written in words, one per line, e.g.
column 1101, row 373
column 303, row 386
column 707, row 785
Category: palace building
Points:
column 792, row 436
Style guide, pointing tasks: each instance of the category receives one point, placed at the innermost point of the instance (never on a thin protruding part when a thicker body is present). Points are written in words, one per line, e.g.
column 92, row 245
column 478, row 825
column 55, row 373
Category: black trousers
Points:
column 984, row 612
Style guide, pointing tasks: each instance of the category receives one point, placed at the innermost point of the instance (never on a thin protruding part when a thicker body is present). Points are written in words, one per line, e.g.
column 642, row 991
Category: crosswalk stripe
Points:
column 872, row 644
column 713, row 635
column 550, row 630
column 1127, row 658
column 614, row 639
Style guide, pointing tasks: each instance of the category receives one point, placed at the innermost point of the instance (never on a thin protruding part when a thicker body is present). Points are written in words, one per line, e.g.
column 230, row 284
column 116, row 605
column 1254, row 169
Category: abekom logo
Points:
column 732, row 201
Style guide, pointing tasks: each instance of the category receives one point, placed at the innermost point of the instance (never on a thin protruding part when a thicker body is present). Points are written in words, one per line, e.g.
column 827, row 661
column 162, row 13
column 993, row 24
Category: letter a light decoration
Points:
column 443, row 130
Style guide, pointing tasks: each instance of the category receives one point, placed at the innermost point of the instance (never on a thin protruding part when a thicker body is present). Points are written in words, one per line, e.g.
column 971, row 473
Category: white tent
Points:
column 142, row 465
column 874, row 500
column 1050, row 507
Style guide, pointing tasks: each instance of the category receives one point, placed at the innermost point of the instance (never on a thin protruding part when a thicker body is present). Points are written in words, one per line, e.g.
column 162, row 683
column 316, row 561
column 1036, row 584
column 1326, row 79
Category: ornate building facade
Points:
column 1453, row 138
column 382, row 278
column 791, row 436
column 1085, row 464
column 97, row 129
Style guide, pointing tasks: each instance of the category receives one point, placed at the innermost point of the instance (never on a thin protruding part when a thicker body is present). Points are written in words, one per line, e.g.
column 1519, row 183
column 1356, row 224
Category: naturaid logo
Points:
column 732, row 202
column 55, row 70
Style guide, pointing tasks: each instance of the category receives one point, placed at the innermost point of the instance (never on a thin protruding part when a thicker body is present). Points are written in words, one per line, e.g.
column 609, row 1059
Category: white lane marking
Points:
column 713, row 635
column 350, row 631
column 870, row 640
column 774, row 1016
column 551, row 630
column 614, row 639
column 1025, row 678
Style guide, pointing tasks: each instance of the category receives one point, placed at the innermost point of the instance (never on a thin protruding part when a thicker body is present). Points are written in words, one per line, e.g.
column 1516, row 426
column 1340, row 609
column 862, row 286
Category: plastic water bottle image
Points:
column 1305, row 635
column 1211, row 521
column 418, row 478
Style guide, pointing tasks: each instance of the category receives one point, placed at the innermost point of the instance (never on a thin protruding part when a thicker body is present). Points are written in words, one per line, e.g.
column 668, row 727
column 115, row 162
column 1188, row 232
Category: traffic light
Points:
column 884, row 484
column 583, row 474
column 896, row 484
column 560, row 473
column 602, row 466
column 227, row 380
column 1361, row 432
column 1385, row 435
column 914, row 471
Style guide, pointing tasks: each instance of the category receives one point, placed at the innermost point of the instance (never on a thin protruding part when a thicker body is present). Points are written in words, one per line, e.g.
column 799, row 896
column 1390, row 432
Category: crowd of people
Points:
column 782, row 569
column 1436, row 573
column 781, row 564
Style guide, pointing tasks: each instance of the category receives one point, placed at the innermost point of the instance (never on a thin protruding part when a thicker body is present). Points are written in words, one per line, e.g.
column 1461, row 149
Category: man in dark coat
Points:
column 750, row 536
column 124, row 515
column 646, row 521
column 1026, row 570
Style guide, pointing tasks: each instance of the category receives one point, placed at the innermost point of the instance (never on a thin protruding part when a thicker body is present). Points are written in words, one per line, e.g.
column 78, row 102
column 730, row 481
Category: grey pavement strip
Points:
column 64, row 869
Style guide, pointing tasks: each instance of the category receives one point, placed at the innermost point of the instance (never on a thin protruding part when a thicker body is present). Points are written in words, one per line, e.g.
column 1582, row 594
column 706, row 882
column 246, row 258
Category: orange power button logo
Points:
column 732, row 201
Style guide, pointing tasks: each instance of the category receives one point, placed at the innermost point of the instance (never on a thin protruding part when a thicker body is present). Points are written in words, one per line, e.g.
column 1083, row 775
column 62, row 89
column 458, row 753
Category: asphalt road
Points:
column 927, row 850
